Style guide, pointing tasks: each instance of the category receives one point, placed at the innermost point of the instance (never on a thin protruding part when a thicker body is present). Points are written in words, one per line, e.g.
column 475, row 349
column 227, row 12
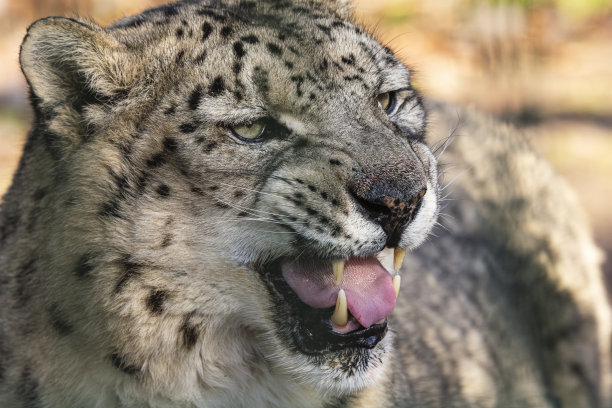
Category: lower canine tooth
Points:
column 397, row 280
column 398, row 258
column 340, row 316
column 338, row 267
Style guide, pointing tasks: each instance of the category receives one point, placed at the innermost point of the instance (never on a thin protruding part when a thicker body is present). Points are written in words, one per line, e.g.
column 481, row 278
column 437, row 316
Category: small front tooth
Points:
column 398, row 258
column 397, row 280
column 338, row 267
column 340, row 316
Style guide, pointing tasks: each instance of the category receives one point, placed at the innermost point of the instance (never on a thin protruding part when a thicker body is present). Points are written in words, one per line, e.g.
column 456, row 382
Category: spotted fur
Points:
column 137, row 220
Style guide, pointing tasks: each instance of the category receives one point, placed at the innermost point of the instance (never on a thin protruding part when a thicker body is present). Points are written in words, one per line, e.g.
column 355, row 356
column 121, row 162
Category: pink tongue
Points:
column 368, row 287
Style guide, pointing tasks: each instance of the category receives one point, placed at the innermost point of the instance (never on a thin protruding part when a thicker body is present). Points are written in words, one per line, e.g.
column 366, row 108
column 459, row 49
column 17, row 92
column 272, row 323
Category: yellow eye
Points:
column 250, row 131
column 384, row 100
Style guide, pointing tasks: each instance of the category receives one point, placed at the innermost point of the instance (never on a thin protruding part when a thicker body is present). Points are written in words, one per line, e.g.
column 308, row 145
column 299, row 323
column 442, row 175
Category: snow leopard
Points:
column 244, row 204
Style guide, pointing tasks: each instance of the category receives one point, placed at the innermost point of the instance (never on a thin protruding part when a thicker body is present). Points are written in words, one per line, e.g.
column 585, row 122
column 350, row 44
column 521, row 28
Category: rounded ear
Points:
column 70, row 62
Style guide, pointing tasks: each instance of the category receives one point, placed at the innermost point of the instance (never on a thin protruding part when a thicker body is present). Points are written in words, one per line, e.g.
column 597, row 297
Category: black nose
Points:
column 391, row 208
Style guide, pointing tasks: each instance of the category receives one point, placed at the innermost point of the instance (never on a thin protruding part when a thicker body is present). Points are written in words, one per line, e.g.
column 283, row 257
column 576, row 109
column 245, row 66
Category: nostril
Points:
column 419, row 202
column 372, row 208
column 391, row 213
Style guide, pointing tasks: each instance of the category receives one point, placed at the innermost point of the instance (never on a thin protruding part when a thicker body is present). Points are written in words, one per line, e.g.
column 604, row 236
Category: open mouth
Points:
column 330, row 305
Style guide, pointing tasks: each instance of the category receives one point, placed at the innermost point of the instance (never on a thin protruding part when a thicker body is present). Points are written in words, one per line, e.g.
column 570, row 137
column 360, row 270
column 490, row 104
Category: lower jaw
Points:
column 312, row 330
column 322, row 342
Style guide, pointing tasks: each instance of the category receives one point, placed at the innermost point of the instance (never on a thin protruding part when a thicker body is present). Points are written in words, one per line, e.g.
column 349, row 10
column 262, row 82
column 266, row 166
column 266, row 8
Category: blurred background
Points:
column 544, row 65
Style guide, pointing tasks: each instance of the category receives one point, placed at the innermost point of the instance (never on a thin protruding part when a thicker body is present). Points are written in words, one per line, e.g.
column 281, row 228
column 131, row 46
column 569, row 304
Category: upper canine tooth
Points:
column 397, row 280
column 398, row 258
column 385, row 257
column 338, row 267
column 340, row 316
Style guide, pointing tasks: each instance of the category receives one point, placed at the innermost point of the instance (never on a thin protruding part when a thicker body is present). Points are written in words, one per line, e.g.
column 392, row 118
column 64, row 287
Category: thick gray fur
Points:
column 131, row 238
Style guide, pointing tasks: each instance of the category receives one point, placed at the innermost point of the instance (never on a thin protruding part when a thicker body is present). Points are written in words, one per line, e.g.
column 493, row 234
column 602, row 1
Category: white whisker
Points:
column 455, row 178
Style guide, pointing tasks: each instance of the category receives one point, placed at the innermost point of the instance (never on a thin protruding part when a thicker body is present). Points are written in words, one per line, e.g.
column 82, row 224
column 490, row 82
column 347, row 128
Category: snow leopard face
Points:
column 244, row 181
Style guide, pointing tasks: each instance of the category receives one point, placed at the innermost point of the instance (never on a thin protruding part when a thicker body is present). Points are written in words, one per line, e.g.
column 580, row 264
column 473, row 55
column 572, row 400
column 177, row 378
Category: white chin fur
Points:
column 330, row 380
